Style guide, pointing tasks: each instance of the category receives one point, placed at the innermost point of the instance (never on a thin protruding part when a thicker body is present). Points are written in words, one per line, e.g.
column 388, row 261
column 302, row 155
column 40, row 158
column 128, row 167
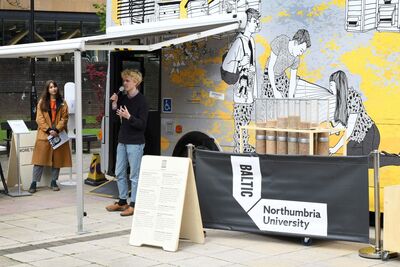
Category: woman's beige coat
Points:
column 43, row 153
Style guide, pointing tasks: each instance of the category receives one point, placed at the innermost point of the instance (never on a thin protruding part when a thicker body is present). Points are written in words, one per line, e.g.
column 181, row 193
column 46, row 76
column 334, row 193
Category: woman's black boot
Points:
column 54, row 185
column 32, row 188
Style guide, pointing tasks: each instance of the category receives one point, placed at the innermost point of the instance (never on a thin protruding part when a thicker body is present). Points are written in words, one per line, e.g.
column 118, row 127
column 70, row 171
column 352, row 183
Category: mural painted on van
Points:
column 365, row 59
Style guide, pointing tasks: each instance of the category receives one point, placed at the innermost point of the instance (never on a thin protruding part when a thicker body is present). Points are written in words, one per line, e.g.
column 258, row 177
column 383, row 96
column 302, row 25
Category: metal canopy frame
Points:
column 191, row 29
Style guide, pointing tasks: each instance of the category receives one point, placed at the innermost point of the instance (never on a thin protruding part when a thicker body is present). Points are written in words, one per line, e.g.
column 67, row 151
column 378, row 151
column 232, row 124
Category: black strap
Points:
column 251, row 52
column 244, row 51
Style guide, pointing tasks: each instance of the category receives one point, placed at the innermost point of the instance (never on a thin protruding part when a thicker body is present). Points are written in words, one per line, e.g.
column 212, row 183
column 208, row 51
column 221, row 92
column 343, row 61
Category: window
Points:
column 91, row 28
column 16, row 32
column 68, row 30
column 45, row 31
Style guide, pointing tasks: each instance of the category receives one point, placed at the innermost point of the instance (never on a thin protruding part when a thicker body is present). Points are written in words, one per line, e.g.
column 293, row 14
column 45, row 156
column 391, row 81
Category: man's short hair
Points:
column 252, row 13
column 302, row 36
column 134, row 74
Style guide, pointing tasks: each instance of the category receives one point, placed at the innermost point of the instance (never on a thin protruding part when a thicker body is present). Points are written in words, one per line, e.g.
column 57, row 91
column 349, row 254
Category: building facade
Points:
column 53, row 20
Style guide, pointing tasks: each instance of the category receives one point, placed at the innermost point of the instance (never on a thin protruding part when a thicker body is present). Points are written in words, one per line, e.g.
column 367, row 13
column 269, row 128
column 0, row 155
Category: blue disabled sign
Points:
column 167, row 105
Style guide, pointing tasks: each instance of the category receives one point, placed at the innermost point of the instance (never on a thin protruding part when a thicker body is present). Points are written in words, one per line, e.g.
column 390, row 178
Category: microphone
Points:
column 121, row 89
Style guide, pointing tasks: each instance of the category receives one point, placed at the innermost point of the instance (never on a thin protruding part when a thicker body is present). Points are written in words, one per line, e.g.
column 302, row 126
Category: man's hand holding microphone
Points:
column 122, row 111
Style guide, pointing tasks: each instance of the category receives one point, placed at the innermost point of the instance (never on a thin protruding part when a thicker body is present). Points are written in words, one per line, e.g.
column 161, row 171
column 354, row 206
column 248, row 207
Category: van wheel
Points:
column 306, row 241
column 198, row 139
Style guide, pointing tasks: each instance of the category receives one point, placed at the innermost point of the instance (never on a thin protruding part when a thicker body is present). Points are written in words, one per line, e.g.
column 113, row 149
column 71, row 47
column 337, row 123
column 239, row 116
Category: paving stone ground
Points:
column 41, row 230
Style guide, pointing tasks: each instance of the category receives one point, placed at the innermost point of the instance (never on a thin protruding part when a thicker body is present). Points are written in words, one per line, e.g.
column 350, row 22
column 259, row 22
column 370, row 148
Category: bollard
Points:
column 190, row 148
column 376, row 252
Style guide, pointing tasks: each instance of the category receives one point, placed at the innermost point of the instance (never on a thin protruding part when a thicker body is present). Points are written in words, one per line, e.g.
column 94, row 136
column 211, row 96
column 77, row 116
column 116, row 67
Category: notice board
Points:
column 166, row 207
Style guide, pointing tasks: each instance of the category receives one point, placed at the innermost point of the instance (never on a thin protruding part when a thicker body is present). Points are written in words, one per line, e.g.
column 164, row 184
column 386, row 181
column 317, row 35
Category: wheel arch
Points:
column 198, row 139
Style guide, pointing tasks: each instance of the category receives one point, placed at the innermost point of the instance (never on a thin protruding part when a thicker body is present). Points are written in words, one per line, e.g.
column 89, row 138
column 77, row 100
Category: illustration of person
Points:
column 243, row 84
column 285, row 54
column 361, row 130
column 241, row 59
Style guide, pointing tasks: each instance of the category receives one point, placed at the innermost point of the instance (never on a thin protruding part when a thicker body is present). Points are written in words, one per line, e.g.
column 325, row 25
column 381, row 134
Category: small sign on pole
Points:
column 167, row 207
column 18, row 127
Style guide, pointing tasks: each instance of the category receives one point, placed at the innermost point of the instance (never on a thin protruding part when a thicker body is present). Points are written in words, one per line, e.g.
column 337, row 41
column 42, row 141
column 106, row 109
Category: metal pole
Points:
column 376, row 251
column 105, row 124
column 32, row 22
column 378, row 246
column 190, row 149
column 78, row 140
column 33, row 94
column 18, row 166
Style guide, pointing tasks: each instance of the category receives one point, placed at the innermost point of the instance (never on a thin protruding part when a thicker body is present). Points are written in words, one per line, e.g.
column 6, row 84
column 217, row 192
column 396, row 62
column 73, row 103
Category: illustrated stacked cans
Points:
column 271, row 122
column 321, row 146
column 293, row 123
column 282, row 123
column 305, row 124
column 280, row 116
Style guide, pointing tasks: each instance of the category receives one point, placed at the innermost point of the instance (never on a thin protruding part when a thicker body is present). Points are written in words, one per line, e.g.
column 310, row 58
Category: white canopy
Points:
column 187, row 30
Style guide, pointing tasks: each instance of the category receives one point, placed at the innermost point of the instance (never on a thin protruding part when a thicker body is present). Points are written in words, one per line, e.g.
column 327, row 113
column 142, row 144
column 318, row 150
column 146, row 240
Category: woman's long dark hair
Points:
column 342, row 92
column 45, row 97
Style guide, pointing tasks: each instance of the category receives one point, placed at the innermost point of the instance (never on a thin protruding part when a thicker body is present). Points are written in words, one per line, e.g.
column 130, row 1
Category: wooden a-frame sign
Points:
column 167, row 207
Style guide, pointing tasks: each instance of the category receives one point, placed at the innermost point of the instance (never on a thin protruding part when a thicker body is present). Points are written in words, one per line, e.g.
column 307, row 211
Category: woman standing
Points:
column 52, row 118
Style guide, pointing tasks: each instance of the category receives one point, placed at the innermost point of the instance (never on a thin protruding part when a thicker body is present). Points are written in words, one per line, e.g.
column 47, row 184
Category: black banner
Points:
column 297, row 193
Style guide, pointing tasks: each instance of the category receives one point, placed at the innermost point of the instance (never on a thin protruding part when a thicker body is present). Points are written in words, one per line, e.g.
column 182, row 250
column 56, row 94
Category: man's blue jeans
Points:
column 132, row 154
